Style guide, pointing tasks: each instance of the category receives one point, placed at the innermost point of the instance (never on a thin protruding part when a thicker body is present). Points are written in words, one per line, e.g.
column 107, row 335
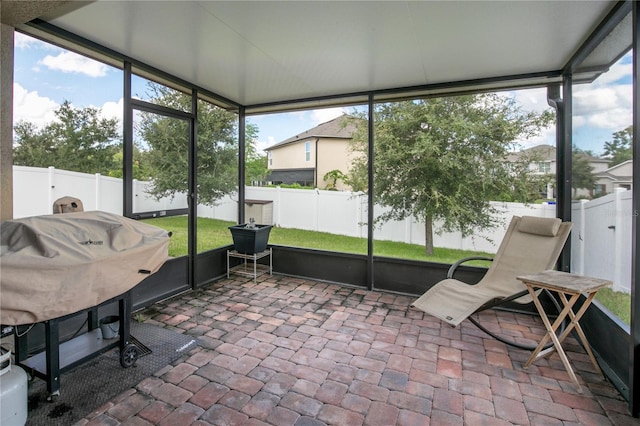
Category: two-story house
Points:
column 542, row 161
column 618, row 176
column 305, row 158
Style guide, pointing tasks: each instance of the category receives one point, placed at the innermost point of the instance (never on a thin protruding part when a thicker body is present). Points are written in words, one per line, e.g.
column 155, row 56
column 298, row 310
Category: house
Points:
column 305, row 158
column 543, row 161
column 618, row 176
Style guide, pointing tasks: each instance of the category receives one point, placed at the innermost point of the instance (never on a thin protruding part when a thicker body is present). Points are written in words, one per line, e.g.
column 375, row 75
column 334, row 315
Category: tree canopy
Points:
column 444, row 159
column 581, row 170
column 78, row 140
column 81, row 140
column 256, row 169
column 333, row 176
column 165, row 140
column 619, row 149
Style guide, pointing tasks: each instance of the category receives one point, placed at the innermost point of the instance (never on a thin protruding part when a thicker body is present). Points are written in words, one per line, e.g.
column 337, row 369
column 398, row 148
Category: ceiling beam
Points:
column 613, row 18
column 13, row 12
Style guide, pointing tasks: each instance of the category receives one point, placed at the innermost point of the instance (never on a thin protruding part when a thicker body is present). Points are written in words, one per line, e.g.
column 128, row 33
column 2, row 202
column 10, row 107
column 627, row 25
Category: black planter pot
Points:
column 250, row 240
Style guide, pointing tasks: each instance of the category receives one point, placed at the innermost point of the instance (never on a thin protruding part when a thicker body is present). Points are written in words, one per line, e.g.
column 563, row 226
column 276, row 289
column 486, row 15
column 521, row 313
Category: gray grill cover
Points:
column 56, row 265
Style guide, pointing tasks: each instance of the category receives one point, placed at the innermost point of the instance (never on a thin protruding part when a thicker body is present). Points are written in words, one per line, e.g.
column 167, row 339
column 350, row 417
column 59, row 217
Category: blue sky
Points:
column 45, row 76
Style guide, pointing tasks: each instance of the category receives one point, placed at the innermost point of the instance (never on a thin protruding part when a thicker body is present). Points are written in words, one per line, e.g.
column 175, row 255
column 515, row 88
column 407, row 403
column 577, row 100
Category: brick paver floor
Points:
column 288, row 351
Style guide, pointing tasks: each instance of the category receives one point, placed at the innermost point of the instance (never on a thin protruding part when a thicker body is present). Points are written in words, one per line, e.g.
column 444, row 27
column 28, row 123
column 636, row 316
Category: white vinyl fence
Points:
column 35, row 189
column 601, row 237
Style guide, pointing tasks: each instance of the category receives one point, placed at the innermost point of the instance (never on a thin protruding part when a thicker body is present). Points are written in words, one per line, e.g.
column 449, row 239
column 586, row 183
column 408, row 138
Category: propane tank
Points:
column 13, row 391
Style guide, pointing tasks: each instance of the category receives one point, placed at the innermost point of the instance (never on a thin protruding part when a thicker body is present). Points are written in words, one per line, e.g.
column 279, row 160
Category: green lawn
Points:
column 619, row 303
column 214, row 233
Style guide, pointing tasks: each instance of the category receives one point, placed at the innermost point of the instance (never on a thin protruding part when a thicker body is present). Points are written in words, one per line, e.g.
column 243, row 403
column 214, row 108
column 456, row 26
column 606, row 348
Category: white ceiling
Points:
column 272, row 51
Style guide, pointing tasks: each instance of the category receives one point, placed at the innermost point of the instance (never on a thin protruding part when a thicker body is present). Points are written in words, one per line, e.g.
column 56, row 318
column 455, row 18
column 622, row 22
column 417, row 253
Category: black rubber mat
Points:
column 142, row 349
column 97, row 381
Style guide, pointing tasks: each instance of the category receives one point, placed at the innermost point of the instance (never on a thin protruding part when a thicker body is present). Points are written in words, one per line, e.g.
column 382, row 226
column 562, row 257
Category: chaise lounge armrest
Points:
column 452, row 269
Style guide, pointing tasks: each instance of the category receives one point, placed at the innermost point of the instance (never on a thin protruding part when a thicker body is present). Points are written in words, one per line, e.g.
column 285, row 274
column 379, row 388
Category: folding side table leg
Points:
column 575, row 318
column 569, row 287
column 551, row 334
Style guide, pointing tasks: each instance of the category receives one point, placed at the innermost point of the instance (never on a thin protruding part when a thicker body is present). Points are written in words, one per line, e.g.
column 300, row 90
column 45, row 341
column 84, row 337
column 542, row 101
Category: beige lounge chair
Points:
column 531, row 244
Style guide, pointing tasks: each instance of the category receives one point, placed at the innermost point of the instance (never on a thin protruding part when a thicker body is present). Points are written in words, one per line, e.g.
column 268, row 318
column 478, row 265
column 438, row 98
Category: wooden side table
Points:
column 569, row 287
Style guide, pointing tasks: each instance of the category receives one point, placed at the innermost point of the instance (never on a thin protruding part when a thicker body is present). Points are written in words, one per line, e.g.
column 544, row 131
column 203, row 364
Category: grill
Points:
column 56, row 267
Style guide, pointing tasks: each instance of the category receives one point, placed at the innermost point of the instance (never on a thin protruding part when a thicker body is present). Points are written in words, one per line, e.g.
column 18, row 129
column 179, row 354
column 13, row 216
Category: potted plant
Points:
column 250, row 238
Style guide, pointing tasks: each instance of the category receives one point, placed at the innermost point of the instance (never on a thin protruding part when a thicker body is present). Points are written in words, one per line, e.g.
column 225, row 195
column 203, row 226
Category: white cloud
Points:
column 605, row 104
column 578, row 121
column 22, row 41
column 603, row 107
column 261, row 144
column 30, row 106
column 69, row 62
column 546, row 137
column 39, row 110
column 323, row 115
column 531, row 99
column 617, row 72
column 112, row 110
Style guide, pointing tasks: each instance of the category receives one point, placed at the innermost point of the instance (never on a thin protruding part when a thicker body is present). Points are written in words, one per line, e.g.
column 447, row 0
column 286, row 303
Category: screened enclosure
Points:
column 227, row 63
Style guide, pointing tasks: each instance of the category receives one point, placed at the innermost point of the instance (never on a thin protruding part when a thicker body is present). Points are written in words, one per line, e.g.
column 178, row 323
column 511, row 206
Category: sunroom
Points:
column 260, row 59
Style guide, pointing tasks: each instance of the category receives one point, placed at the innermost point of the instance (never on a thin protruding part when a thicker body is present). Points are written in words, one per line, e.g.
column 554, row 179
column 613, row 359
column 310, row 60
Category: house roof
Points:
column 341, row 127
column 278, row 55
column 548, row 153
column 615, row 173
column 615, row 178
column 619, row 166
column 541, row 152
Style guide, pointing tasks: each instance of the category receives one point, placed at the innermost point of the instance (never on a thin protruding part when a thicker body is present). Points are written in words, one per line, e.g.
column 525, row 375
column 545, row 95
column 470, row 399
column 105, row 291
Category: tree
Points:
column 445, row 158
column 529, row 171
column 619, row 149
column 256, row 168
column 333, row 176
column 140, row 168
column 217, row 147
column 79, row 140
column 581, row 171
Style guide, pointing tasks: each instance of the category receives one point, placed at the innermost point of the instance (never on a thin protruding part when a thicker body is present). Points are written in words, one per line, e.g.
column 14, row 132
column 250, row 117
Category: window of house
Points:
column 600, row 189
column 307, row 151
column 544, row 167
column 270, row 158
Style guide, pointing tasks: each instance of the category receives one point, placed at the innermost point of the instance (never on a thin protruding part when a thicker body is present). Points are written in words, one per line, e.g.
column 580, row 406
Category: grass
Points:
column 618, row 302
column 211, row 233
column 214, row 233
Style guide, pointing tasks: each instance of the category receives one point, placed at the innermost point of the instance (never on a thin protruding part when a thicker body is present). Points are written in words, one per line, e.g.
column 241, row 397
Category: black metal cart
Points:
column 59, row 357
column 58, row 255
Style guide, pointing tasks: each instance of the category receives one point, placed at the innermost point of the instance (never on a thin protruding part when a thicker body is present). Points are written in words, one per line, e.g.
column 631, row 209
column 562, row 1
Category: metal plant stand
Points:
column 250, row 266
